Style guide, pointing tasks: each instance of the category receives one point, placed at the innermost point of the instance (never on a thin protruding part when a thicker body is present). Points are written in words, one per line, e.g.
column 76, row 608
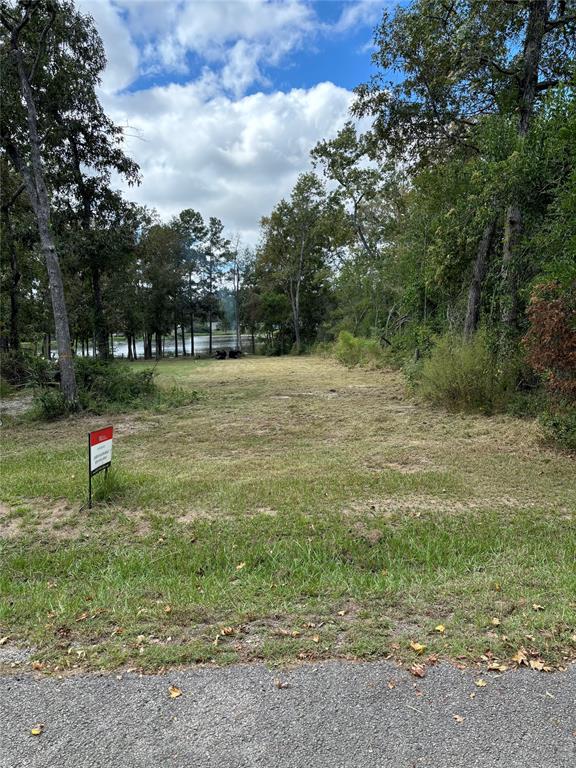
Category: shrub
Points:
column 110, row 387
column 105, row 384
column 466, row 375
column 20, row 368
column 354, row 351
column 551, row 338
column 559, row 426
column 50, row 404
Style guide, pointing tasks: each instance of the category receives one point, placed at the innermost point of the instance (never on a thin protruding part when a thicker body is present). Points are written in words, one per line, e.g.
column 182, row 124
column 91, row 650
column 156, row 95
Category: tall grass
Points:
column 467, row 375
column 353, row 351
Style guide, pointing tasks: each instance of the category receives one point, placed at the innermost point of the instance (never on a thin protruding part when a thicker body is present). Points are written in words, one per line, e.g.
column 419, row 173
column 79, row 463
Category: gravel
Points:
column 330, row 715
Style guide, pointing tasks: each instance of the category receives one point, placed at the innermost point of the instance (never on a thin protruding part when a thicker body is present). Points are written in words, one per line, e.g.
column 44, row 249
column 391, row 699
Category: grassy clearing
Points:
column 298, row 510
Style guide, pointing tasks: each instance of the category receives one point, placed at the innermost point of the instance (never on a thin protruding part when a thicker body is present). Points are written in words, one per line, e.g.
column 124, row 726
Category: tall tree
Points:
column 294, row 249
column 31, row 52
column 460, row 61
column 212, row 266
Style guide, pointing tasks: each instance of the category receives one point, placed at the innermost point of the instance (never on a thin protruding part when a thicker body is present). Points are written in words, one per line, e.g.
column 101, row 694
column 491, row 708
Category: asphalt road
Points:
column 331, row 715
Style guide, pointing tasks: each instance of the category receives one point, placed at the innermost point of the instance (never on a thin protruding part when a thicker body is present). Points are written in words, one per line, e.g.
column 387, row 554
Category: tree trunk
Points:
column 33, row 177
column 134, row 352
column 175, row 340
column 100, row 330
column 527, row 90
column 183, row 336
column 14, row 335
column 158, row 342
column 475, row 290
column 210, row 327
column 192, row 334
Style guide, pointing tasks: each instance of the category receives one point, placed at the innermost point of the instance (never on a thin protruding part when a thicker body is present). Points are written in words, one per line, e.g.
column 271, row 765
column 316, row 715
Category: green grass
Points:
column 363, row 521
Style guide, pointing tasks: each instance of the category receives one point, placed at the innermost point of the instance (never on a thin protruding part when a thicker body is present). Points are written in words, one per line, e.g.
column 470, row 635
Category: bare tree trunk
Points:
column 475, row 290
column 134, row 352
column 14, row 335
column 183, row 337
column 33, row 177
column 100, row 329
column 527, row 88
column 192, row 334
column 175, row 339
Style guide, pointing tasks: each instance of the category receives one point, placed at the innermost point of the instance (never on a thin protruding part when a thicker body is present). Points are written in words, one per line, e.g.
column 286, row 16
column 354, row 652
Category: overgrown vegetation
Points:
column 108, row 387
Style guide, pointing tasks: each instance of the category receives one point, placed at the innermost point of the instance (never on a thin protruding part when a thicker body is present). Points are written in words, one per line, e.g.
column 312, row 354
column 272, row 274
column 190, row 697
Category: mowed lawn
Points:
column 298, row 510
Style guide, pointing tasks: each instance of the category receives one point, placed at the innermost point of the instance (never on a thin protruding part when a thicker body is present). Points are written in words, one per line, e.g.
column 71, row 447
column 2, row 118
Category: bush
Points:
column 466, row 375
column 353, row 351
column 559, row 426
column 50, row 404
column 105, row 384
column 21, row 369
column 551, row 338
column 110, row 387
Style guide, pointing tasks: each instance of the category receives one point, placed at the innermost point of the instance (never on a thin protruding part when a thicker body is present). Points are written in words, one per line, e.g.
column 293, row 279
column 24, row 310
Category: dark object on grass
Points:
column 220, row 354
column 234, row 354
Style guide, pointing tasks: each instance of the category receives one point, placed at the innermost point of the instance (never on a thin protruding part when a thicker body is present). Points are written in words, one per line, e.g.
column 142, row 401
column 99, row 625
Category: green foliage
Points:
column 21, row 368
column 559, row 426
column 50, row 404
column 466, row 375
column 111, row 387
column 353, row 351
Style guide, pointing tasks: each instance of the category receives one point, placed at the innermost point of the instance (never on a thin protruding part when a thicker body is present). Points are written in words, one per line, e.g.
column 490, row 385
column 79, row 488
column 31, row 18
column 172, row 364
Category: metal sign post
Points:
column 99, row 455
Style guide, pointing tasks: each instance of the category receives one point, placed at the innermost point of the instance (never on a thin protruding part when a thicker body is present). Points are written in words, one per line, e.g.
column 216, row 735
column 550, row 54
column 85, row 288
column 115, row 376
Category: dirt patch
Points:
column 16, row 406
column 417, row 504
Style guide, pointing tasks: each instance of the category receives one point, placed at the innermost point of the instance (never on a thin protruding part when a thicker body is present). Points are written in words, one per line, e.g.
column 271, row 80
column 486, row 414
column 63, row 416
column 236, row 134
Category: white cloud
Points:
column 121, row 53
column 229, row 158
column 205, row 144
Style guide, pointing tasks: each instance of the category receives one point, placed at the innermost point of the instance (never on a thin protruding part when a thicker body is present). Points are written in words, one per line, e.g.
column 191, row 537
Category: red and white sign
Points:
column 100, row 448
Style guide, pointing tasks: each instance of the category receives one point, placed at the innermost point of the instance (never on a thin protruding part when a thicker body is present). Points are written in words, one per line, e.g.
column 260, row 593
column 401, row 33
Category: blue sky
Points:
column 222, row 100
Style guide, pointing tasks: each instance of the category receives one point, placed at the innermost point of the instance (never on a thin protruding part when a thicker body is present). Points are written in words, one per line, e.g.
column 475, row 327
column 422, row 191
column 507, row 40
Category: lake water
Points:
column 201, row 342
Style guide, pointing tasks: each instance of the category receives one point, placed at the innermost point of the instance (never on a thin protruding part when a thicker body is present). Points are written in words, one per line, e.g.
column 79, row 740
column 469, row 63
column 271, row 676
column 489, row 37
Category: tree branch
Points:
column 41, row 42
column 545, row 84
column 561, row 22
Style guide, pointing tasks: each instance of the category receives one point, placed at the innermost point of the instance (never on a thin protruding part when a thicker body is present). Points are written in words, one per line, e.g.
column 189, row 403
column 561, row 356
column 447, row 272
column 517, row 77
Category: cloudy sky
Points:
column 222, row 100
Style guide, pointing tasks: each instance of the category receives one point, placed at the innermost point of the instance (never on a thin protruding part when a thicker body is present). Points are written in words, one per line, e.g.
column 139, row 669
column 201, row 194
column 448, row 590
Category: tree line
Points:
column 453, row 211
column 78, row 261
column 457, row 202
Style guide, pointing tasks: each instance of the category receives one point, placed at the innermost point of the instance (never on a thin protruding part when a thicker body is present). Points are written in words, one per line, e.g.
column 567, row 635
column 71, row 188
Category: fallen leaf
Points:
column 391, row 684
column 458, row 718
column 167, row 608
column 520, row 657
column 227, row 631
column 495, row 666
column 174, row 691
column 240, row 566
column 316, row 638
column 418, row 670
column 37, row 665
column 341, row 613
column 537, row 607
column 440, row 628
column 4, row 640
column 281, row 683
column 537, row 664
column 473, row 695
column 480, row 683
column 417, row 647
column 496, row 622
column 37, row 729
